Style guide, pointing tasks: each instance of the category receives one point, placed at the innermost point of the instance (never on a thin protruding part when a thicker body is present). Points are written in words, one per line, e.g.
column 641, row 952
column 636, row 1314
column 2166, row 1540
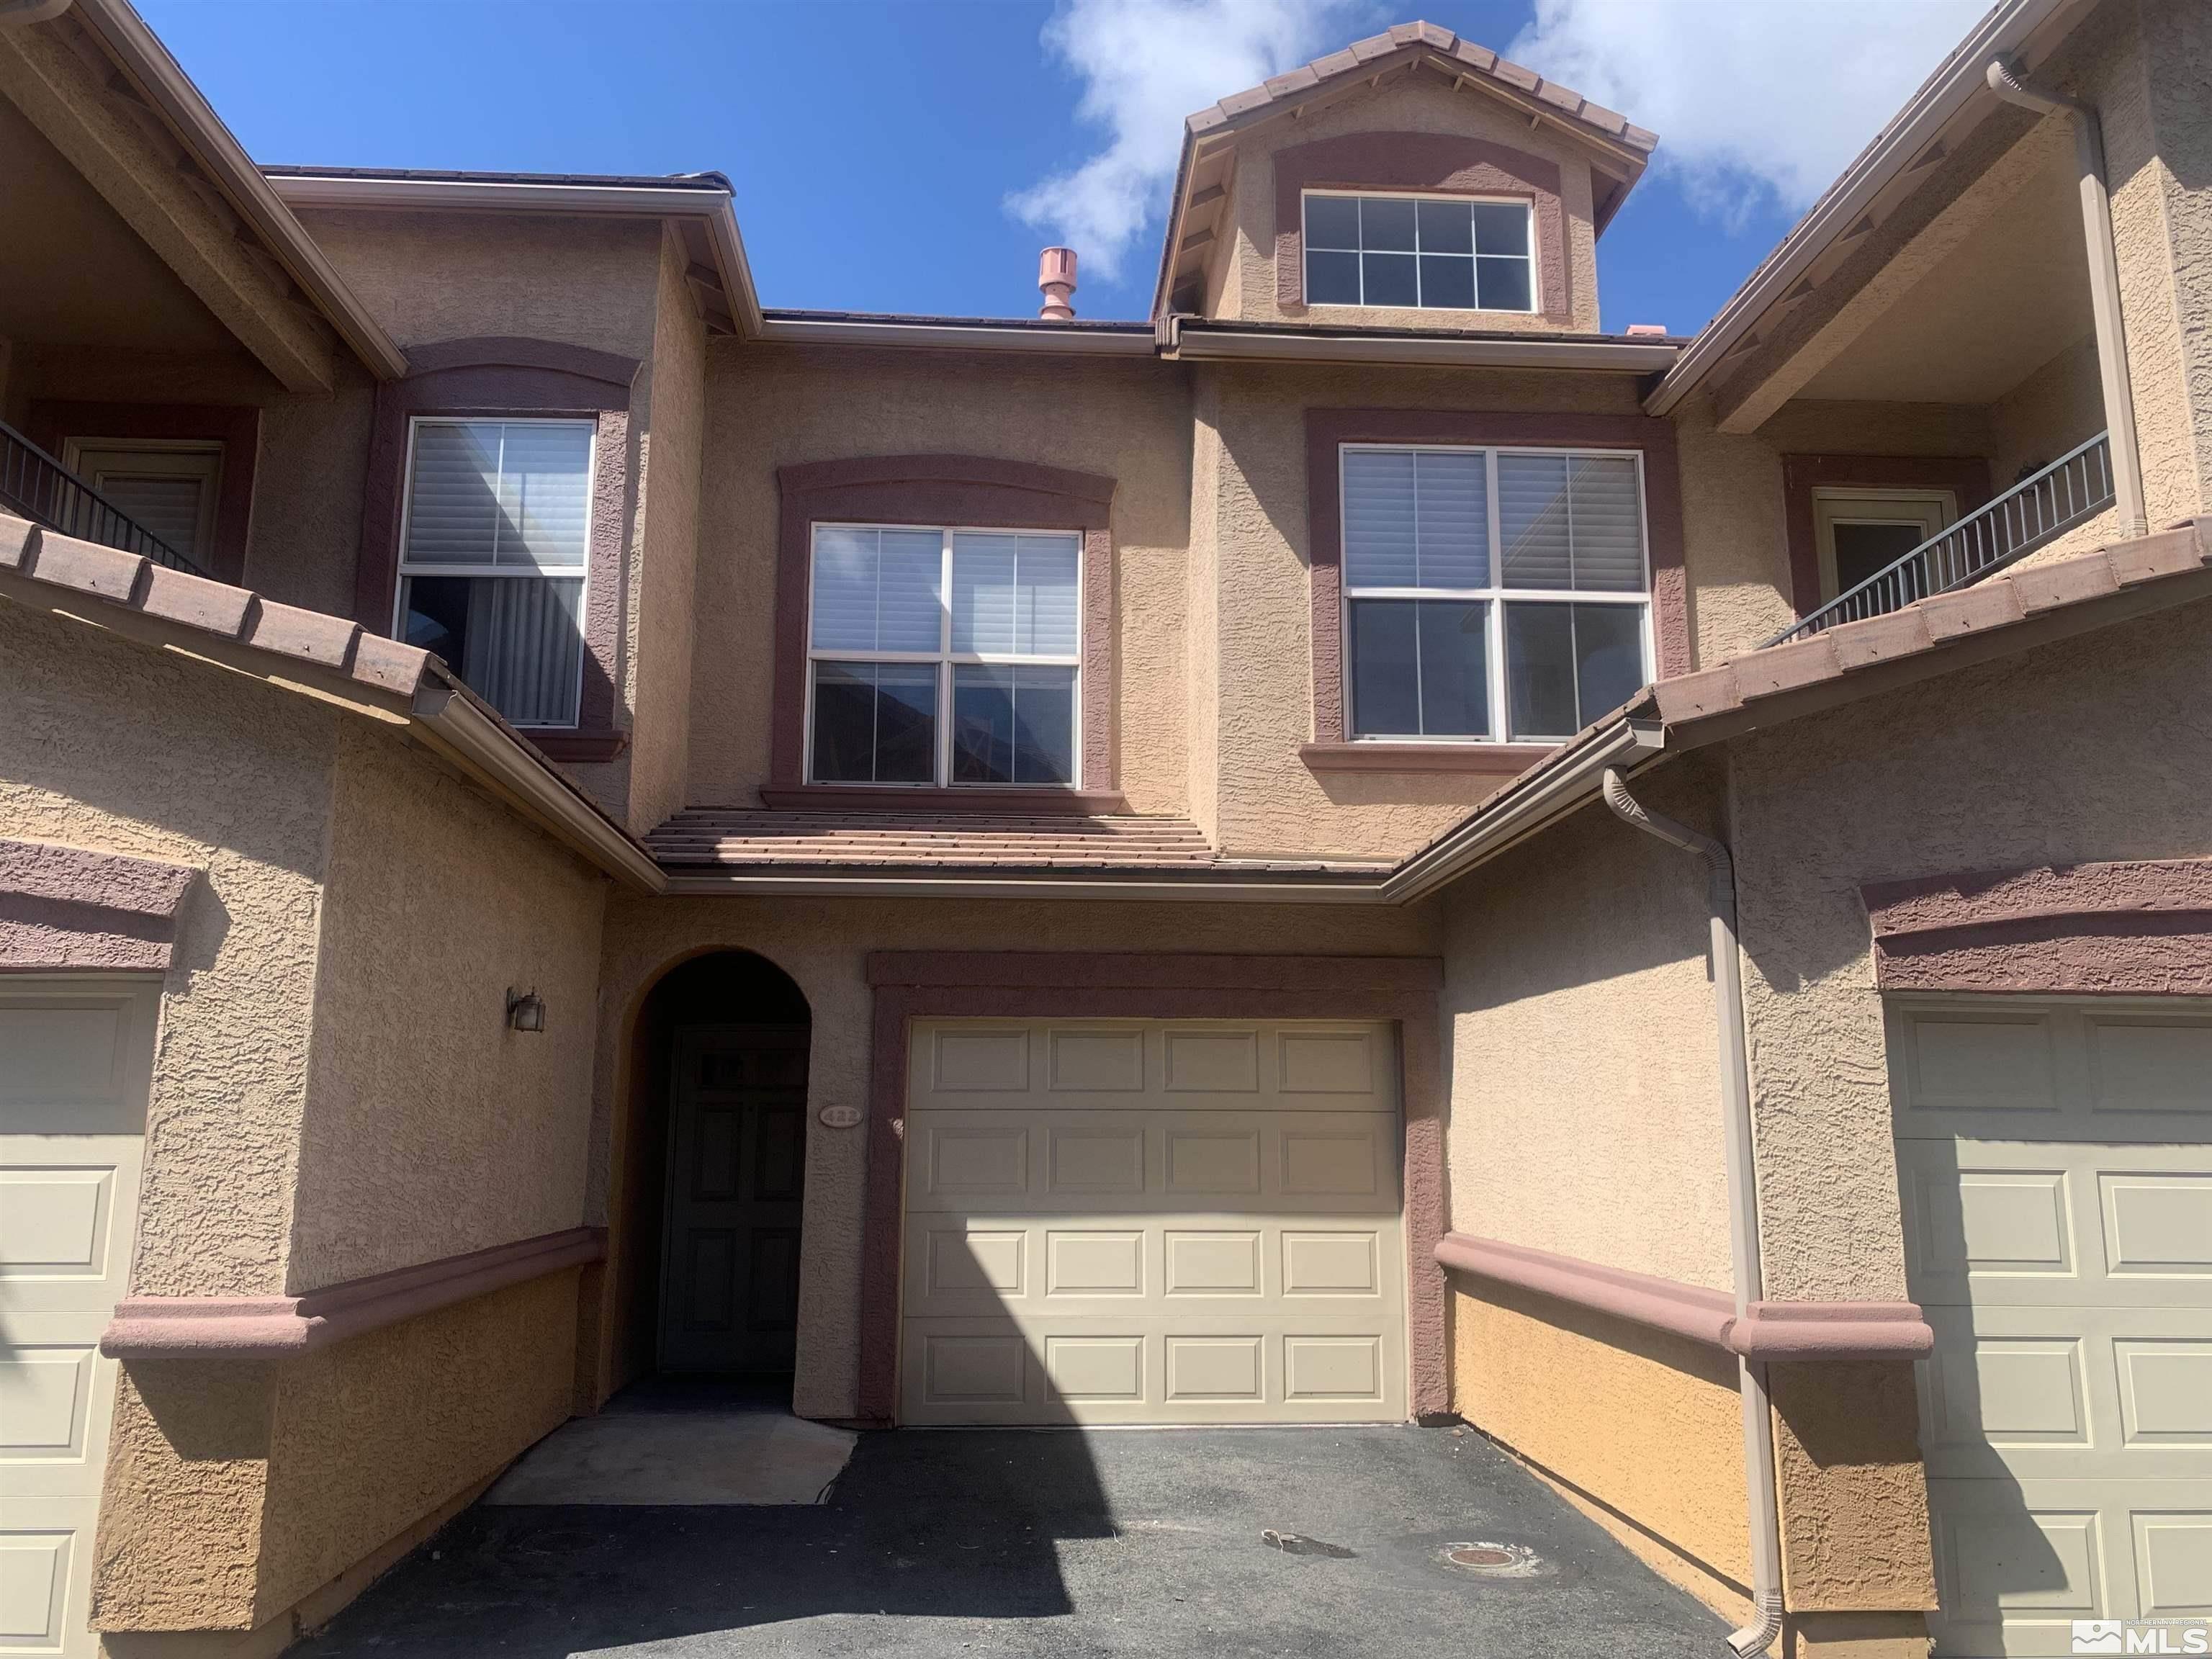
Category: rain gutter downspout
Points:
column 1743, row 1210
column 2104, row 286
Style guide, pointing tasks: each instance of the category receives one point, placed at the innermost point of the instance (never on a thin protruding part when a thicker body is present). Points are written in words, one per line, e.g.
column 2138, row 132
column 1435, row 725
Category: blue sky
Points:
column 874, row 146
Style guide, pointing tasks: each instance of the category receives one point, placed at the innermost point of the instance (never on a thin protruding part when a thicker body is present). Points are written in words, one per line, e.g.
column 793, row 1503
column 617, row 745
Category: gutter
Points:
column 1187, row 339
column 148, row 64
column 1538, row 798
column 832, row 881
column 452, row 721
column 708, row 203
column 1743, row 1208
column 2103, row 285
column 2001, row 33
column 949, row 334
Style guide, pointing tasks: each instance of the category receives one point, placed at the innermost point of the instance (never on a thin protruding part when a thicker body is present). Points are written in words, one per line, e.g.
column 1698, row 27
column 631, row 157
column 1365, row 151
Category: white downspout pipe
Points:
column 1765, row 1624
column 2104, row 286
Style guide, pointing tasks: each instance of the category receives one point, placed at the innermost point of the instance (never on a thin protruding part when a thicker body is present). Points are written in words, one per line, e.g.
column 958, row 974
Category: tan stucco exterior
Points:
column 1411, row 100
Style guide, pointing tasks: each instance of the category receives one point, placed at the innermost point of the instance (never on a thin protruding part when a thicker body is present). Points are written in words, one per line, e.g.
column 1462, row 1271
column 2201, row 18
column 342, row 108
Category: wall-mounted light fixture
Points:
column 525, row 1010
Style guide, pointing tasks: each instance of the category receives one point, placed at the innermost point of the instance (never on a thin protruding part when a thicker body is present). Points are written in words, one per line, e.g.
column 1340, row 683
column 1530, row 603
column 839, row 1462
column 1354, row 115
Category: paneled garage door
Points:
column 1152, row 1223
column 2056, row 1161
column 74, row 1061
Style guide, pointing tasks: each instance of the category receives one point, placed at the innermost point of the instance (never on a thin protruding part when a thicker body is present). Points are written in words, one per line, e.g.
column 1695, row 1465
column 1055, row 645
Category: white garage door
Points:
column 2056, row 1161
column 1152, row 1223
column 73, row 1062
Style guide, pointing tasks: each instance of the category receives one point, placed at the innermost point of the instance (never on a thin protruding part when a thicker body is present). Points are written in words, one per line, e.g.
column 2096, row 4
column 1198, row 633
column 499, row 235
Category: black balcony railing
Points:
column 2035, row 511
column 35, row 486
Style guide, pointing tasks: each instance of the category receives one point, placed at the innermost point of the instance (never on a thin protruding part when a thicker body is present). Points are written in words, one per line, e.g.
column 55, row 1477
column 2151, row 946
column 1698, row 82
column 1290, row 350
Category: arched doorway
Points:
column 716, row 1172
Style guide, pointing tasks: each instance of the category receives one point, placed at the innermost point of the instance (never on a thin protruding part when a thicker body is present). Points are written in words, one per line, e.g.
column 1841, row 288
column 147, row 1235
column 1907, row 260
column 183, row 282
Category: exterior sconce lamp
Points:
column 525, row 1010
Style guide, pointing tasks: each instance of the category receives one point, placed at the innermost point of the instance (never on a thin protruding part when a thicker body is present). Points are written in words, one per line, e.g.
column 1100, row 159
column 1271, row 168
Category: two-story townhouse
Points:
column 561, row 825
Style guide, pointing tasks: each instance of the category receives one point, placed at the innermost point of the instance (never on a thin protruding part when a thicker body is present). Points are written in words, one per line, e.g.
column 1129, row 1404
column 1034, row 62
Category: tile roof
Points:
column 1762, row 678
column 724, row 837
column 1362, row 58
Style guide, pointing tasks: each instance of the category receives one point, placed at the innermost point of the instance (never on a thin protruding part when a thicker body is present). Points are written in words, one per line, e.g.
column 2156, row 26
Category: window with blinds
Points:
column 493, row 550
column 1490, row 595
column 942, row 656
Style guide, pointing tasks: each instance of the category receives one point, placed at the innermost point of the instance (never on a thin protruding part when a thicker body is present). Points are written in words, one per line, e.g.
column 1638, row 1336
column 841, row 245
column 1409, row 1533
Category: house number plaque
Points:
column 839, row 1117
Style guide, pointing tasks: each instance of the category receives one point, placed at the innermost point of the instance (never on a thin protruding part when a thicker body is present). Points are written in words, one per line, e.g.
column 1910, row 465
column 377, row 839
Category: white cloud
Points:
column 1753, row 99
column 1145, row 66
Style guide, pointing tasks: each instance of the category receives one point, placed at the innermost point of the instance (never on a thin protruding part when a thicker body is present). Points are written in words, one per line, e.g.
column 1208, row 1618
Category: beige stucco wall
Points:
column 235, row 1489
column 1585, row 1105
column 432, row 1130
column 1269, row 801
column 109, row 746
column 1737, row 543
column 1410, row 101
column 2060, row 405
column 771, row 406
column 662, row 562
column 2084, row 749
column 456, row 276
column 822, row 944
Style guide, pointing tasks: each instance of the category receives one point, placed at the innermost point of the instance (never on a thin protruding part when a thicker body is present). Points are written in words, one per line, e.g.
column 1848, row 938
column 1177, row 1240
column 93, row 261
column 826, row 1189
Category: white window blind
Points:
column 493, row 554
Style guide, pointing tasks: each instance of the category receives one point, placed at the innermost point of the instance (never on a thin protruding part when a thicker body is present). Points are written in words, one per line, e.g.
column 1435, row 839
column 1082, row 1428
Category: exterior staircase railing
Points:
column 2037, row 510
column 35, row 486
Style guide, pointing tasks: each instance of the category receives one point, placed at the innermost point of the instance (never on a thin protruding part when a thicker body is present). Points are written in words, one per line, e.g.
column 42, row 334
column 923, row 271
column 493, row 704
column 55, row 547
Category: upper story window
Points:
column 942, row 656
column 1424, row 253
column 1492, row 594
column 492, row 557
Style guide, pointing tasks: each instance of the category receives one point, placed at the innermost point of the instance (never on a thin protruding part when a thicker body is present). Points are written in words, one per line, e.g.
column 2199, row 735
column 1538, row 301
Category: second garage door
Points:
column 1152, row 1223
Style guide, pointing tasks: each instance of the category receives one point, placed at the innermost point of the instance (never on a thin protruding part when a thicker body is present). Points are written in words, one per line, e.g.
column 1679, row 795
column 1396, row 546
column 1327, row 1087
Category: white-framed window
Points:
column 1490, row 595
column 944, row 656
column 494, row 543
column 166, row 486
column 1420, row 253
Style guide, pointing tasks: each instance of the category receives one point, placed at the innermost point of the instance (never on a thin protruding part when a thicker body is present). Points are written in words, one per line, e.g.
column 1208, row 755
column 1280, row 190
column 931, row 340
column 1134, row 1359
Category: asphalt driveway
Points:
column 951, row 1543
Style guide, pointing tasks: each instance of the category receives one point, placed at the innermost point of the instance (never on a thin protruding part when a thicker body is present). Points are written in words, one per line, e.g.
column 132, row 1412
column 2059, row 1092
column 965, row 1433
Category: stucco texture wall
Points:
column 456, row 276
column 772, row 406
column 235, row 1489
column 1409, row 101
column 822, row 944
column 663, row 558
column 433, row 1129
column 2083, row 750
column 1585, row 1102
column 1258, row 653
column 109, row 746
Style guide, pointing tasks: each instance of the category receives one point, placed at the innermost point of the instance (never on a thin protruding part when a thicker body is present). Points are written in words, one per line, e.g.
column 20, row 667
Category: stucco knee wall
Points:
column 1646, row 1427
column 236, row 1489
column 823, row 945
column 1585, row 1102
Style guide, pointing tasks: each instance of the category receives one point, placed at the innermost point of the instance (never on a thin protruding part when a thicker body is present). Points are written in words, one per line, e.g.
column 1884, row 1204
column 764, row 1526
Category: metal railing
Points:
column 35, row 486
column 2039, row 509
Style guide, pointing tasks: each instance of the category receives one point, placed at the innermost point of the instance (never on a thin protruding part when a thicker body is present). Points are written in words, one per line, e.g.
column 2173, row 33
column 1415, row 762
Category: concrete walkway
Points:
column 936, row 1544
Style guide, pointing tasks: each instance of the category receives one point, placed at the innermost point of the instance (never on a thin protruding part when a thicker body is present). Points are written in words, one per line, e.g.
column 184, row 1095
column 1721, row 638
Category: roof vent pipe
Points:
column 1057, row 279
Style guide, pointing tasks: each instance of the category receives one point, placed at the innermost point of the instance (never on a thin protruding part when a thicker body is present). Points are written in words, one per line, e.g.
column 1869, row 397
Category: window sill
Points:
column 578, row 747
column 887, row 797
column 1497, row 760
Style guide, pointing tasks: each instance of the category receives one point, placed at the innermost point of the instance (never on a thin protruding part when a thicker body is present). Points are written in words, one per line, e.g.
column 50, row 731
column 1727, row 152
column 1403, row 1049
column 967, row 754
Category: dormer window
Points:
column 1418, row 252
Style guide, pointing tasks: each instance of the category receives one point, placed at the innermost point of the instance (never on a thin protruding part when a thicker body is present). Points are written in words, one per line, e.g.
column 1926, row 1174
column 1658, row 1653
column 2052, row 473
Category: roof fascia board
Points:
column 712, row 206
column 1192, row 341
column 981, row 335
column 2001, row 33
column 142, row 56
column 829, row 883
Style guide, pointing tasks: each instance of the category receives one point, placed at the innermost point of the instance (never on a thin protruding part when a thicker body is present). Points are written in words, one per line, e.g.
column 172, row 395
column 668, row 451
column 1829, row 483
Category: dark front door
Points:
column 735, row 1168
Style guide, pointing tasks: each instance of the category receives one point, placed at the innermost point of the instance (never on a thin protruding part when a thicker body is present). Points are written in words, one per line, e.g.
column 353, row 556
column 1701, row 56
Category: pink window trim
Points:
column 910, row 985
column 945, row 489
column 487, row 379
column 1437, row 163
column 1328, row 430
column 2138, row 928
column 71, row 908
